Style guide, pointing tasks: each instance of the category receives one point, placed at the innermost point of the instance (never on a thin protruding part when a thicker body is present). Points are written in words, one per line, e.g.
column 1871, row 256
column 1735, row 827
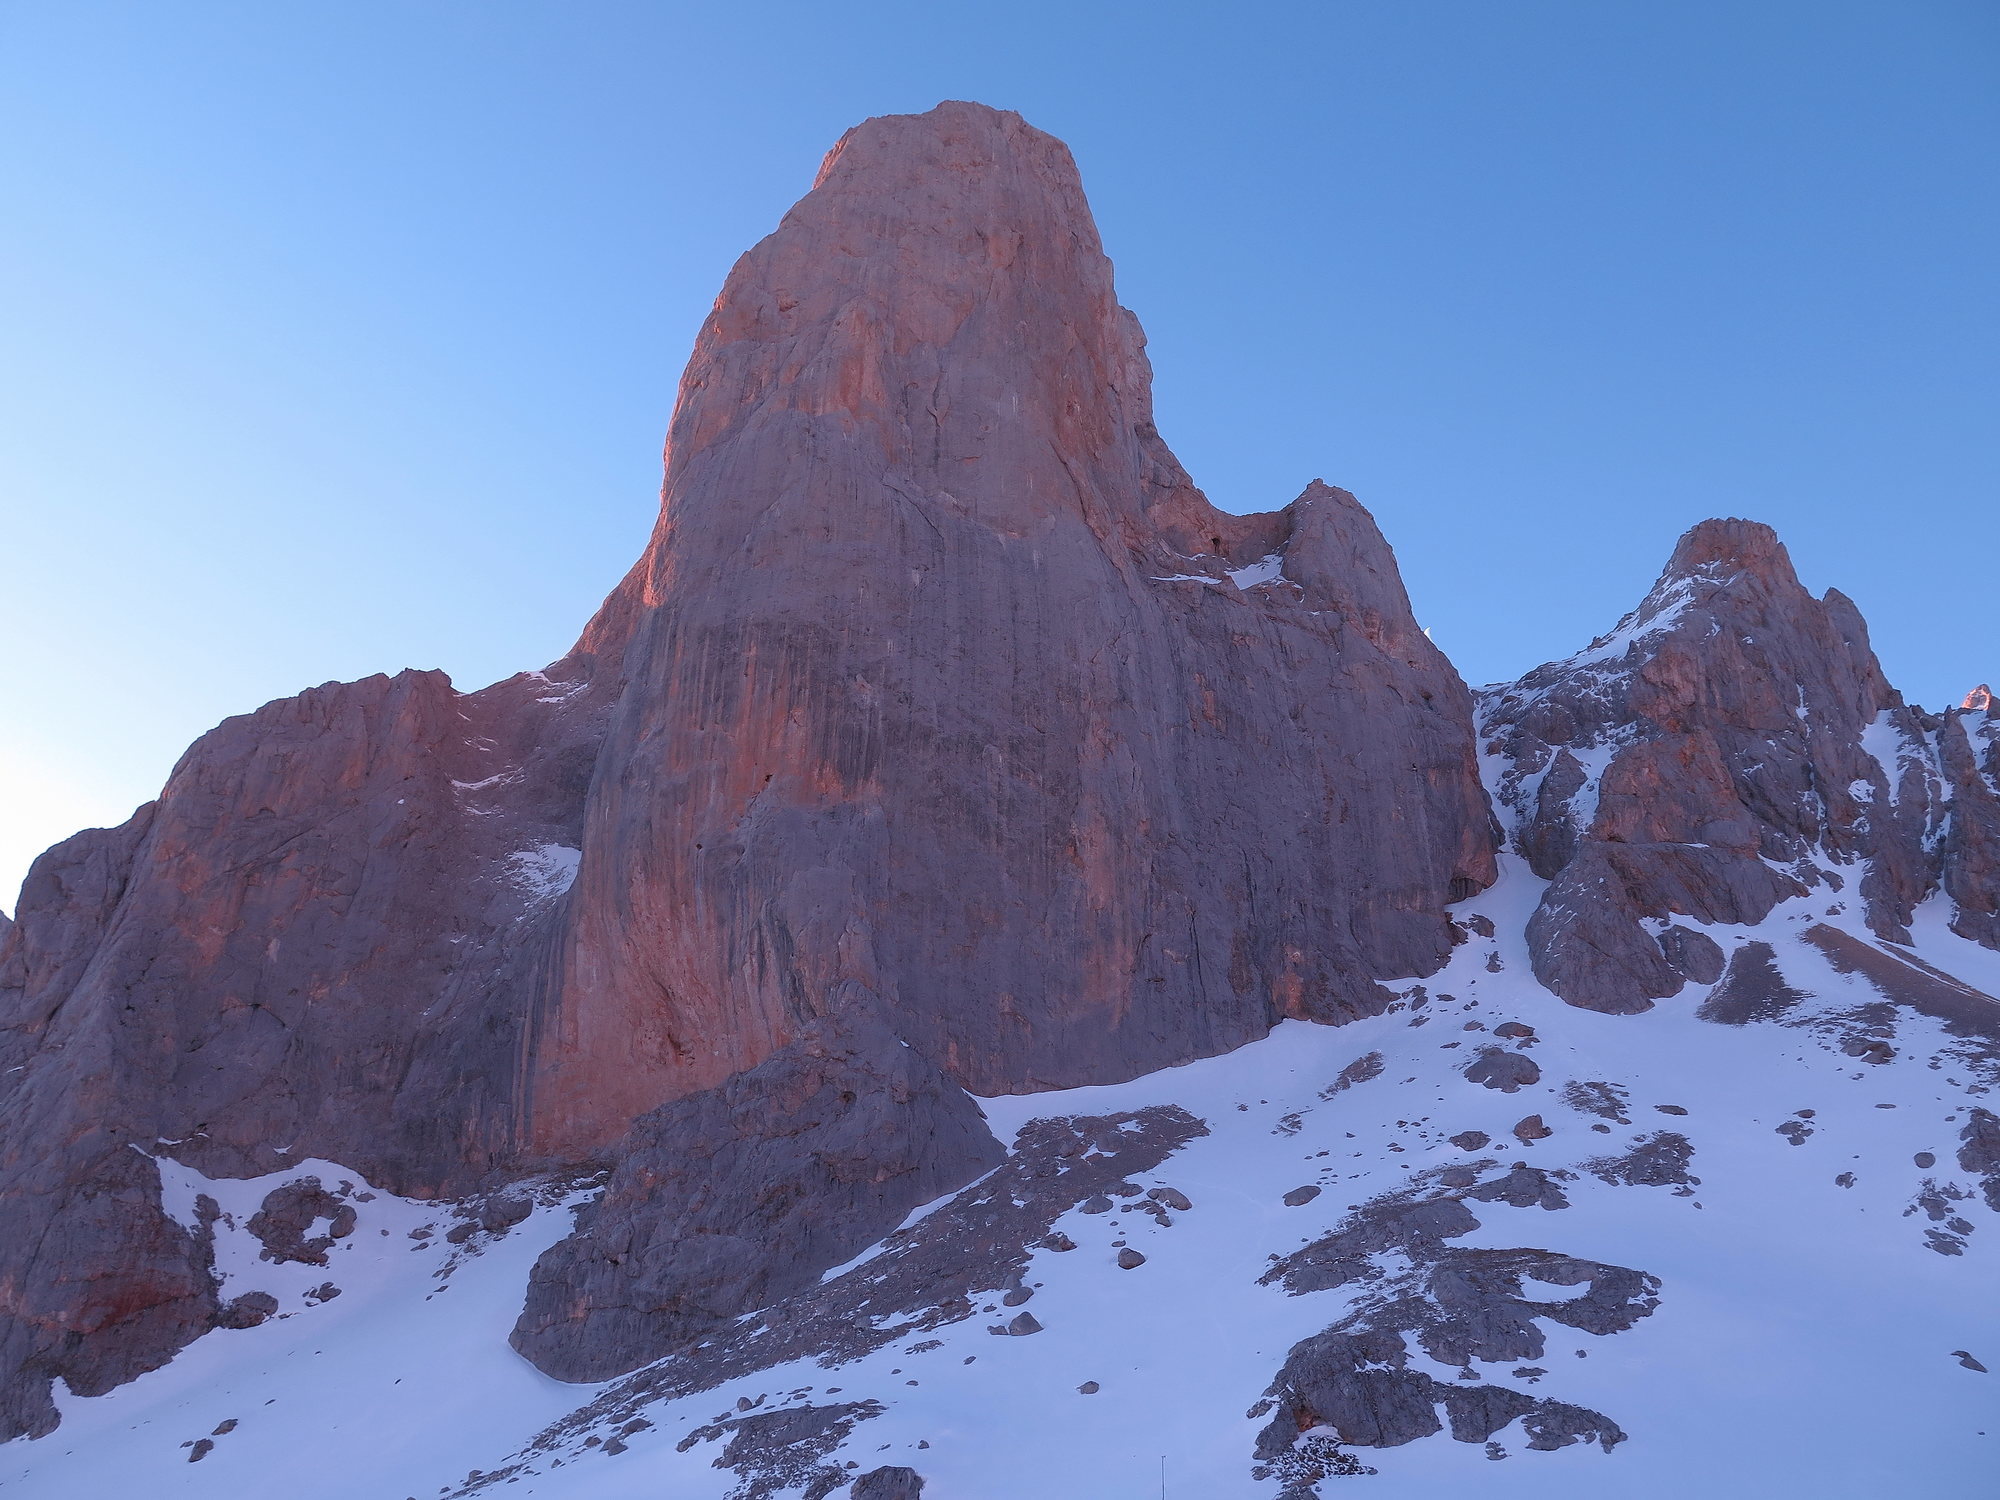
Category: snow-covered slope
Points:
column 1744, row 1257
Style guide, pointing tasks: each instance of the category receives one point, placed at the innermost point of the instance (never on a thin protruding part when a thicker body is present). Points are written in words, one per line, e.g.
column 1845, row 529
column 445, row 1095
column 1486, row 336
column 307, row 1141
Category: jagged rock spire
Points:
column 1733, row 743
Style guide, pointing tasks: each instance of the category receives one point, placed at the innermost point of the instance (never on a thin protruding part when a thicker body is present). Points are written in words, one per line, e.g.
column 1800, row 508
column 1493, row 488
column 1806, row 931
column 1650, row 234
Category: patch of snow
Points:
column 497, row 779
column 1658, row 614
column 1886, row 744
column 545, row 871
column 1266, row 569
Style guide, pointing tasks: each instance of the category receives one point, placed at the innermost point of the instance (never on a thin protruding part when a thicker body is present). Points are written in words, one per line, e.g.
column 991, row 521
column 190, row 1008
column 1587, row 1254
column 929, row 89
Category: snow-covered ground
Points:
column 394, row 1387
column 1803, row 1343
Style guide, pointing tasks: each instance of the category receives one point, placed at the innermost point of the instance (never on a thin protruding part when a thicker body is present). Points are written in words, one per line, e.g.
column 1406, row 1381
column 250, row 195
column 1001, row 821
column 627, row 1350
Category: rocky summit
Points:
column 983, row 975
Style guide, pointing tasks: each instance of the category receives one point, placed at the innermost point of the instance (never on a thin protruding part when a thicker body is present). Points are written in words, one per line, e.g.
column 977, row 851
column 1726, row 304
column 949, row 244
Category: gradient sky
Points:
column 340, row 335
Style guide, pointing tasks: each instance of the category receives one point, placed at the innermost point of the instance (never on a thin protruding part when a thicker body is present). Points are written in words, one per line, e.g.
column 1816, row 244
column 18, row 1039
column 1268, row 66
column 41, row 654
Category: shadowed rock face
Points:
column 941, row 696
column 1733, row 743
column 1968, row 753
column 734, row 1198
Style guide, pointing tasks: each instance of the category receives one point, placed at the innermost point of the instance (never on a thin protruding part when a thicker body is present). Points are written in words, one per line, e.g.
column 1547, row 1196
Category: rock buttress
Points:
column 947, row 685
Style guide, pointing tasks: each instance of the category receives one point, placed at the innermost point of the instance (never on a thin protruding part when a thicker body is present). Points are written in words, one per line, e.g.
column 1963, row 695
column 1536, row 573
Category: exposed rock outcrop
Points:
column 737, row 1197
column 927, row 1277
column 311, row 944
column 1455, row 1306
column 1968, row 750
column 1731, row 744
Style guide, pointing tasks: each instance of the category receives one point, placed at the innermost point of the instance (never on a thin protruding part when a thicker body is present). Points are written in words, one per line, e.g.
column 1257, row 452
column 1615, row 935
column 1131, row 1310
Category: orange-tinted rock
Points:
column 942, row 693
column 321, row 940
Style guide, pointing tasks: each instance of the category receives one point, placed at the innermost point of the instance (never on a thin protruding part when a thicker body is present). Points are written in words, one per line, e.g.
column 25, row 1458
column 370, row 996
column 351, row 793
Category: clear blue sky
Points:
column 341, row 334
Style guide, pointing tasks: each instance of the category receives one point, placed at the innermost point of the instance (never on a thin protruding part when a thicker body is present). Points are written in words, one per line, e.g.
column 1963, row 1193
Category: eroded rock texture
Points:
column 318, row 941
column 931, row 1275
column 1968, row 748
column 1731, row 744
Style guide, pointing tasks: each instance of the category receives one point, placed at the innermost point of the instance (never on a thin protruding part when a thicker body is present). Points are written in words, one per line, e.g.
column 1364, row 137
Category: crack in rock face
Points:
column 1355, row 1383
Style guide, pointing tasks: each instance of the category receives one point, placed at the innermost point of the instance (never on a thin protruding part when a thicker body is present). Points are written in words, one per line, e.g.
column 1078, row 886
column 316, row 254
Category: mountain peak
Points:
column 955, row 133
column 1733, row 544
column 913, row 454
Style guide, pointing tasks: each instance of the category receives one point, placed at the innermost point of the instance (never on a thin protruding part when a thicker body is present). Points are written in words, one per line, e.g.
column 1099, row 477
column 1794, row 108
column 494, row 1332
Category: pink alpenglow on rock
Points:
column 948, row 688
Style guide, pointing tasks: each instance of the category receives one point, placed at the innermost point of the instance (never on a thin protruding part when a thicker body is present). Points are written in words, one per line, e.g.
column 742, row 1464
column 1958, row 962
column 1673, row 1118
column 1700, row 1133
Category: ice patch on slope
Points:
column 545, row 871
column 1267, row 569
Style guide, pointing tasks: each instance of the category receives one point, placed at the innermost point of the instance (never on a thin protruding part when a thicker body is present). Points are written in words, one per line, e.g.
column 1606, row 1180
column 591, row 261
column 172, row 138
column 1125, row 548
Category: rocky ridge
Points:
column 1730, row 745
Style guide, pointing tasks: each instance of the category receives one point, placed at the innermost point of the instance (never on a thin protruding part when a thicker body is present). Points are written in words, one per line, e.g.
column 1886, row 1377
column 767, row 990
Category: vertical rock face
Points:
column 1731, row 744
column 943, row 712
column 948, row 689
column 320, row 940
column 296, row 944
